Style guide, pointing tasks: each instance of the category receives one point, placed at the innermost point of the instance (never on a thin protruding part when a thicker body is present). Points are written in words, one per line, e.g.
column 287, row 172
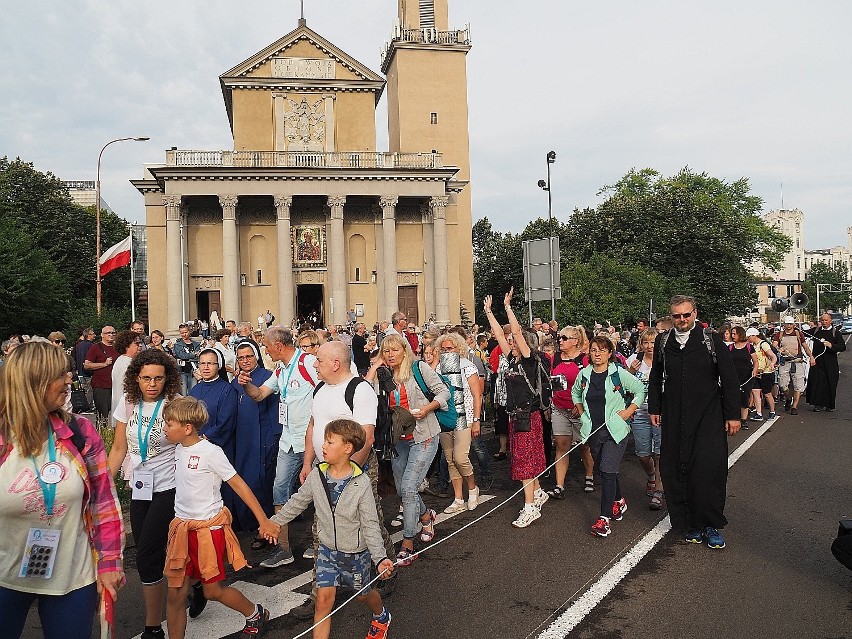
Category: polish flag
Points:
column 115, row 256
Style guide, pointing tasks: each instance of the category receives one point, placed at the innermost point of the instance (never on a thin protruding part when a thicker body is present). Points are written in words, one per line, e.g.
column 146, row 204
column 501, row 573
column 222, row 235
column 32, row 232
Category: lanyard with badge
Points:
column 43, row 543
column 143, row 480
column 282, row 406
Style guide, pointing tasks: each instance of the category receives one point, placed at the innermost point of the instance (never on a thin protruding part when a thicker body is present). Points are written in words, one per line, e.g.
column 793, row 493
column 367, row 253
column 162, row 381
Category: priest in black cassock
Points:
column 824, row 375
column 694, row 396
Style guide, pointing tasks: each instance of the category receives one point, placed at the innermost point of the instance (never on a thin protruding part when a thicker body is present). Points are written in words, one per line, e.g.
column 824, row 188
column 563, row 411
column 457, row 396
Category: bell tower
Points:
column 426, row 67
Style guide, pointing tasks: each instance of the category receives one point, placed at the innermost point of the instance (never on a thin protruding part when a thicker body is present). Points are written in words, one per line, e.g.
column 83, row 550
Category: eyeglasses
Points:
column 410, row 328
column 147, row 379
column 208, row 363
column 308, row 345
column 682, row 315
column 242, row 358
column 565, row 338
column 597, row 351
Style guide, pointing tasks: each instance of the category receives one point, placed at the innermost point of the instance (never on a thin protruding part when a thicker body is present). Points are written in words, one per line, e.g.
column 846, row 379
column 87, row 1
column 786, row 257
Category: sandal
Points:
column 405, row 557
column 396, row 522
column 650, row 487
column 656, row 502
column 258, row 542
column 557, row 492
column 589, row 486
column 427, row 532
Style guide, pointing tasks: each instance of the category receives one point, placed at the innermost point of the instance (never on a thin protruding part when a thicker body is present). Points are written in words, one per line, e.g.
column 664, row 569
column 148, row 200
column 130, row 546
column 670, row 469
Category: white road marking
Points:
column 220, row 621
column 577, row 611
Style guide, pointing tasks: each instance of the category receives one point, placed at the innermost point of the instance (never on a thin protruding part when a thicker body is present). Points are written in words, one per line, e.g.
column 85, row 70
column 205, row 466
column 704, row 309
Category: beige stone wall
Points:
column 355, row 121
column 253, row 122
column 155, row 222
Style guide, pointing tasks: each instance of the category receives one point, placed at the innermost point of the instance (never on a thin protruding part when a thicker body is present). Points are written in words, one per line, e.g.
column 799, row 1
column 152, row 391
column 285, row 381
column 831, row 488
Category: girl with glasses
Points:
column 152, row 380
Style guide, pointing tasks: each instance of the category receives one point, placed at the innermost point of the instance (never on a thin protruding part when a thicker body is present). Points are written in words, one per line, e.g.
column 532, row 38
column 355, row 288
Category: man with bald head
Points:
column 341, row 395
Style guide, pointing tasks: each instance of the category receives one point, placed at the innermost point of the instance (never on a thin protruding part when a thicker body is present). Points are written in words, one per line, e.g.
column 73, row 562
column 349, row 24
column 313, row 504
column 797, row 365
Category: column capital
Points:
column 229, row 206
column 173, row 205
column 282, row 206
column 388, row 201
column 438, row 205
column 336, row 203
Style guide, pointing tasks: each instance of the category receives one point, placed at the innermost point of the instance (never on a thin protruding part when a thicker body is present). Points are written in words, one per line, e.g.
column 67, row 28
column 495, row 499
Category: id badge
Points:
column 40, row 553
column 282, row 414
column 143, row 485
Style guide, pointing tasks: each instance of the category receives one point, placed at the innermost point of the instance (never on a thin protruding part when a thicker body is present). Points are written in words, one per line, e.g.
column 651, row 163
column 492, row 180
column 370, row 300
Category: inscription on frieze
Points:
column 306, row 68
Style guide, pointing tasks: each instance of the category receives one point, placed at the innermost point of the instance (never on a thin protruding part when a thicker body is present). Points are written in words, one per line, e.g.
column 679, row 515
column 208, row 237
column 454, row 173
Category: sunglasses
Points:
column 682, row 315
column 59, row 341
column 565, row 338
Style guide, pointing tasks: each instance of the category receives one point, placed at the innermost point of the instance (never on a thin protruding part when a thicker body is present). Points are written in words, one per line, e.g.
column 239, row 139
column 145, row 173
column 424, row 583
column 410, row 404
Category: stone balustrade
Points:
column 304, row 159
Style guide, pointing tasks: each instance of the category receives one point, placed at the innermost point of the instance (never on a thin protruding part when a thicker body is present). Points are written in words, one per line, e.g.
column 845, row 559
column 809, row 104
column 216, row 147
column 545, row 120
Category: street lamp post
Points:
column 545, row 186
column 98, row 215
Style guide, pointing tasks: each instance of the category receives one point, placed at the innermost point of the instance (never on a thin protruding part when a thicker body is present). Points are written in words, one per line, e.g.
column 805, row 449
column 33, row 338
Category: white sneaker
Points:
column 473, row 498
column 539, row 498
column 423, row 486
column 529, row 514
column 457, row 506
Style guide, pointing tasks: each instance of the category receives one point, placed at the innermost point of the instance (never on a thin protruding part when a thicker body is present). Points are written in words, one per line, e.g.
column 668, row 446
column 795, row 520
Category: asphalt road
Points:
column 776, row 578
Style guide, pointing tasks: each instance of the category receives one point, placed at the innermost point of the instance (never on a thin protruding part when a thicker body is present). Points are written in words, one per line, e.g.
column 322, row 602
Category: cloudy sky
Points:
column 735, row 88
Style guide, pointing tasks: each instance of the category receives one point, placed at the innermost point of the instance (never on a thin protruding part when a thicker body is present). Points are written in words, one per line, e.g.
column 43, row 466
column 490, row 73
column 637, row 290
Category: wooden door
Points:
column 407, row 303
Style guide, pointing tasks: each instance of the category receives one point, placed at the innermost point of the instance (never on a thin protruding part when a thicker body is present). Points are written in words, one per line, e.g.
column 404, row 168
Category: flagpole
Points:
column 132, row 279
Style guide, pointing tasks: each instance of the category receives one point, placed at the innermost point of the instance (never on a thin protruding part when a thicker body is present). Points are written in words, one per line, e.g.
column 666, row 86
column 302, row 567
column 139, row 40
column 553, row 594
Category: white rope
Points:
column 435, row 544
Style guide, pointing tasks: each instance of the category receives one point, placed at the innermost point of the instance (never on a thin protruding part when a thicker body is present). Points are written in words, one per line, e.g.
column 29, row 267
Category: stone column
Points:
column 428, row 262
column 391, row 275
column 230, row 259
column 286, row 306
column 174, row 263
column 336, row 261
column 380, row 263
column 442, row 286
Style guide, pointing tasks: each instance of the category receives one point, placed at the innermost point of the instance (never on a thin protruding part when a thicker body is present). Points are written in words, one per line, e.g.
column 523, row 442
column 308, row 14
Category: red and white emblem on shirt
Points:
column 193, row 462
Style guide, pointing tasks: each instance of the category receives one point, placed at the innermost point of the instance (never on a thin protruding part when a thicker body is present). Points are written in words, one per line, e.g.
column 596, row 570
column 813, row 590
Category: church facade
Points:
column 304, row 215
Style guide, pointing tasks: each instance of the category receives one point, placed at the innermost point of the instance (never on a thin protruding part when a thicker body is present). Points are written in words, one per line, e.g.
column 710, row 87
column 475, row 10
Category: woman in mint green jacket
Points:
column 606, row 396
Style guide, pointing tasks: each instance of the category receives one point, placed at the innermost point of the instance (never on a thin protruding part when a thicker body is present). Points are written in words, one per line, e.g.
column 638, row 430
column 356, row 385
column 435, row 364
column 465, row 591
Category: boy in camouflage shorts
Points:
column 347, row 524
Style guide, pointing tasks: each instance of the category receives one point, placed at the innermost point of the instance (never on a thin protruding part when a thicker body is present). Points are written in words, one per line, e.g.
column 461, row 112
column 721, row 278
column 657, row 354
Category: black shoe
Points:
column 153, row 634
column 829, row 410
column 197, row 600
column 305, row 611
column 385, row 587
column 817, row 409
column 788, row 404
column 255, row 627
column 499, row 456
column 486, row 482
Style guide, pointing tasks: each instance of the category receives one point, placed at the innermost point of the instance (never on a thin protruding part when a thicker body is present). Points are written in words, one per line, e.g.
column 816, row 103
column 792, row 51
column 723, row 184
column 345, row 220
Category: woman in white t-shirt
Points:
column 128, row 344
column 151, row 381
column 456, row 443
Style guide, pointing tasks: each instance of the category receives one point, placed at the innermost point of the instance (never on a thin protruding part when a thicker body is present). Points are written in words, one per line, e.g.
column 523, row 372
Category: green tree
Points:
column 497, row 265
column 38, row 204
column 31, row 287
column 690, row 227
column 822, row 273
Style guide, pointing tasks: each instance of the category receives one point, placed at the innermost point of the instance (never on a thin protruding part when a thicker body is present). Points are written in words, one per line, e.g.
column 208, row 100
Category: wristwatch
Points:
column 477, row 419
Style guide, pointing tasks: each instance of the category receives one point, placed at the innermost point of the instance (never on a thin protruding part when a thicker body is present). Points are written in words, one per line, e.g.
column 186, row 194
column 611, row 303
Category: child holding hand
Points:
column 200, row 535
column 347, row 526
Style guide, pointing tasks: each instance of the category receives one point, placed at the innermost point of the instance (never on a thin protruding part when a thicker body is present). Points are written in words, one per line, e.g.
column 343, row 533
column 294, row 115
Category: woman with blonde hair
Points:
column 415, row 449
column 567, row 364
column 456, row 443
column 58, row 495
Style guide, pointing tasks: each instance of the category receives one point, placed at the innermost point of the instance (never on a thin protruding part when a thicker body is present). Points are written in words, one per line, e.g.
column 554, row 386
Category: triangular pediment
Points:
column 298, row 43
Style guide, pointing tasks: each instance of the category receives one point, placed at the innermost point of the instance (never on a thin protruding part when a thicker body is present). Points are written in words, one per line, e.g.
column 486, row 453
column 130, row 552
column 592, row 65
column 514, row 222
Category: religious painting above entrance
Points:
column 307, row 68
column 308, row 246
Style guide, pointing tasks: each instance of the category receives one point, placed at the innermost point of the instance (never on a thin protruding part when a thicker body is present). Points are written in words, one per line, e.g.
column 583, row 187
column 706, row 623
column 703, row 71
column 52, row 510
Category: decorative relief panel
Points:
column 304, row 124
column 309, row 277
column 203, row 215
column 308, row 68
column 257, row 215
column 360, row 214
column 409, row 214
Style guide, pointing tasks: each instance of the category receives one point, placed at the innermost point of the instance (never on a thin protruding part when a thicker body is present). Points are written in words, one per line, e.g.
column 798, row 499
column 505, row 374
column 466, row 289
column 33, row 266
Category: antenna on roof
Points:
column 782, row 195
column 302, row 21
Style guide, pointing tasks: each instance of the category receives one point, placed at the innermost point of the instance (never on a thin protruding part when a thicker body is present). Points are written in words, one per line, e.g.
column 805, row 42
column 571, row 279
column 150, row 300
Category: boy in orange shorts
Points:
column 200, row 535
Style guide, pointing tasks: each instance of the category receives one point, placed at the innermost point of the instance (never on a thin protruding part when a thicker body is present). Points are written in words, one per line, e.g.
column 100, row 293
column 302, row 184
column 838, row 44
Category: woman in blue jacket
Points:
column 607, row 395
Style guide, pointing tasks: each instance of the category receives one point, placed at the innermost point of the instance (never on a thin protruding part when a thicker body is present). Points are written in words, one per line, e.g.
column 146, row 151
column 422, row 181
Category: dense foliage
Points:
column 47, row 247
column 822, row 273
column 652, row 237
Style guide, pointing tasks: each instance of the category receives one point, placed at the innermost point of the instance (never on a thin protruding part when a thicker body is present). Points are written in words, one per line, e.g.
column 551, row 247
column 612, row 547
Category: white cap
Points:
column 788, row 319
column 752, row 331
column 806, row 326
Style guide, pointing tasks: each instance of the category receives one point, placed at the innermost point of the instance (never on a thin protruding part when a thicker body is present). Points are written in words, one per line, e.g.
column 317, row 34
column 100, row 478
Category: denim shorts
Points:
column 349, row 569
column 645, row 437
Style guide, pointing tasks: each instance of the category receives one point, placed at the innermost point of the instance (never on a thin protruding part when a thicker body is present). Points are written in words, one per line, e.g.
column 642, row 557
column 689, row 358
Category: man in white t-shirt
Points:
column 342, row 395
column 294, row 380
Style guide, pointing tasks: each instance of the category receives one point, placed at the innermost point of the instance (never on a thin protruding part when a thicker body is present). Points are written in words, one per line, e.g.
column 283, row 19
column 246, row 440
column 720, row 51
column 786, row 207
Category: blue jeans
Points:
column 645, row 437
column 480, row 449
column 68, row 616
column 188, row 381
column 287, row 468
column 409, row 470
